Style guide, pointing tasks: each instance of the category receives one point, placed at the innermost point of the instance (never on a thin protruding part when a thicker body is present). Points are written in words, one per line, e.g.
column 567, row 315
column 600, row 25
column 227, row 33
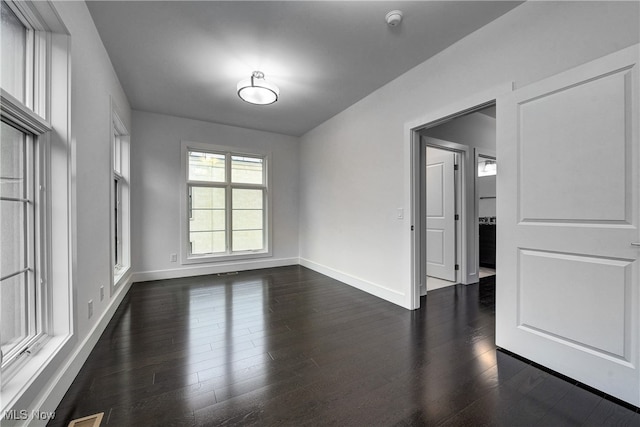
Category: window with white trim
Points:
column 36, row 270
column 23, row 136
column 227, row 201
column 120, row 219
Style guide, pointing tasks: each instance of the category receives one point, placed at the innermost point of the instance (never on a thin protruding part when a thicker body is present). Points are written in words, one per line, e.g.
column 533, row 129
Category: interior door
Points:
column 567, row 295
column 441, row 248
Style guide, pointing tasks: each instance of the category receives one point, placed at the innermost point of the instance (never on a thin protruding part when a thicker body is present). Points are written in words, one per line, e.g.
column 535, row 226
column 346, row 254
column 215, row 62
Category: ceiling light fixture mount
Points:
column 256, row 90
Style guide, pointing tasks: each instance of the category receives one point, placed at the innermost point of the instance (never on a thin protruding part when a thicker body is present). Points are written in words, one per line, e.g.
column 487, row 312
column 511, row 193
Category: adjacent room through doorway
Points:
column 460, row 199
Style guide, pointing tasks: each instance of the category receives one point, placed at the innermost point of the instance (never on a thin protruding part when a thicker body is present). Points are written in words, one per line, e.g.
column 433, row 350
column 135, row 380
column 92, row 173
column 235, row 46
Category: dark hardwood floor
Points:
column 289, row 346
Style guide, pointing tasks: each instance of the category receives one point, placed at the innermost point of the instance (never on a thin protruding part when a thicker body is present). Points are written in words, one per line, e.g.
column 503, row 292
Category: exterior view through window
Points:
column 227, row 203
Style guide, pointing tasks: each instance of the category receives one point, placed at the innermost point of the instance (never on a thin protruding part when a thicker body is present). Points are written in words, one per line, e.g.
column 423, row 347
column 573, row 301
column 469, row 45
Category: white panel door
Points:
column 441, row 247
column 568, row 292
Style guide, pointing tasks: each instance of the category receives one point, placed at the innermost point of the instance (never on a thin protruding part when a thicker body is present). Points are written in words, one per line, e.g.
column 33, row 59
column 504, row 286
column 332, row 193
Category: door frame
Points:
column 413, row 187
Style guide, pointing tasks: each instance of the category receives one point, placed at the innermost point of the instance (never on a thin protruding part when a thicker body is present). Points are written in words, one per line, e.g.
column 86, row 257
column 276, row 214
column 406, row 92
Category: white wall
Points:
column 475, row 130
column 94, row 85
column 348, row 225
column 155, row 192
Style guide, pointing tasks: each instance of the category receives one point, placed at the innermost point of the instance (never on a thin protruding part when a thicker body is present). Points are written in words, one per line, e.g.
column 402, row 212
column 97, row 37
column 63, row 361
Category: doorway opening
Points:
column 431, row 132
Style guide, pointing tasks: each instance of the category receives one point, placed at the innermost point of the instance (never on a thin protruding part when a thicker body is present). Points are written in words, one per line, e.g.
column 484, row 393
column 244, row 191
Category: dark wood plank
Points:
column 289, row 346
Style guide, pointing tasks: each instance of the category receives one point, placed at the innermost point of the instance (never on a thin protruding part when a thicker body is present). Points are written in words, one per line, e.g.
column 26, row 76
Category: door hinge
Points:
column 456, row 217
column 457, row 267
column 455, row 167
column 412, row 228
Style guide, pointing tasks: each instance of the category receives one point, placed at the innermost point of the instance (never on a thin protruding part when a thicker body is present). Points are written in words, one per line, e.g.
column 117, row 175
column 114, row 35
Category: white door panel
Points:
column 435, row 247
column 577, row 284
column 578, row 138
column 440, row 214
column 568, row 295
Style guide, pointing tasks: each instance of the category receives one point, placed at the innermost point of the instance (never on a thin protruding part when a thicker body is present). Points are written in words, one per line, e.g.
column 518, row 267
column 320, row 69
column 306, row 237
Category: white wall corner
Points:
column 374, row 289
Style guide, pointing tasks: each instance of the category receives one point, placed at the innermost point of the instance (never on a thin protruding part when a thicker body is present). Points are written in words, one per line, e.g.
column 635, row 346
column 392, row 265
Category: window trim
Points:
column 29, row 117
column 20, row 116
column 47, row 111
column 120, row 172
column 185, row 254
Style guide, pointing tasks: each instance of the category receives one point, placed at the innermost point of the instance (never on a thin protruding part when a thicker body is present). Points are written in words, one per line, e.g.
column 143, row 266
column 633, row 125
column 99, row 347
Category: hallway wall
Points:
column 348, row 218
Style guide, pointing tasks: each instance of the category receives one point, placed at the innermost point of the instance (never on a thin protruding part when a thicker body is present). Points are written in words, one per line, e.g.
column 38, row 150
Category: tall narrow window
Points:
column 36, row 259
column 120, row 200
column 22, row 136
column 227, row 203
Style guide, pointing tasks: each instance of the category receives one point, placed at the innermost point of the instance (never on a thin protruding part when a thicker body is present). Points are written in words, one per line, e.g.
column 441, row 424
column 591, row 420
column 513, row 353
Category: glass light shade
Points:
column 256, row 90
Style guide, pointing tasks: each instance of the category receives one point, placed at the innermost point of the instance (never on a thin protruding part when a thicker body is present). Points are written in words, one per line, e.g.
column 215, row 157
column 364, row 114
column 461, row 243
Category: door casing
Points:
column 415, row 190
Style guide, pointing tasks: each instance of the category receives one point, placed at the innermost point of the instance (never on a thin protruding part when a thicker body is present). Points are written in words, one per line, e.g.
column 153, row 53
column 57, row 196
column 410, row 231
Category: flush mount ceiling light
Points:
column 256, row 90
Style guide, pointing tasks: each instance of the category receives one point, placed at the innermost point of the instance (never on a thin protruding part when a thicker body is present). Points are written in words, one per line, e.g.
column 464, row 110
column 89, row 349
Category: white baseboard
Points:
column 59, row 385
column 201, row 270
column 387, row 294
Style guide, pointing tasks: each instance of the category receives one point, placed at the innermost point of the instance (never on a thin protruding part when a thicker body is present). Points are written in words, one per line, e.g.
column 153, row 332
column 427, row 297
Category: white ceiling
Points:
column 185, row 58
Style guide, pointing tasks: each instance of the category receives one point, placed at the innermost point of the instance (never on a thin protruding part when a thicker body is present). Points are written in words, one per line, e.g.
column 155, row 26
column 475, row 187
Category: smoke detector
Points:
column 394, row 18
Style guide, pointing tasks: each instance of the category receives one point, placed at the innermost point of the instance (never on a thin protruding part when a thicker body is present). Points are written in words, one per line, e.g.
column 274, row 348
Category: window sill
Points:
column 25, row 381
column 120, row 276
column 195, row 259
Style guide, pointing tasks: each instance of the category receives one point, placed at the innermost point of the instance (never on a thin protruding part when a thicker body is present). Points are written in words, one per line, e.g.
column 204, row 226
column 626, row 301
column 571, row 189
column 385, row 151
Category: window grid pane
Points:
column 15, row 313
column 247, row 170
column 208, row 167
column 207, row 220
column 12, row 159
column 247, row 219
column 117, row 155
column 14, row 43
column 13, row 223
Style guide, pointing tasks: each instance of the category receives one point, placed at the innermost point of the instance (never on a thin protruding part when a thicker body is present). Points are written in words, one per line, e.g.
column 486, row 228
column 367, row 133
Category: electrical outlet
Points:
column 173, row 257
column 101, row 293
column 90, row 308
